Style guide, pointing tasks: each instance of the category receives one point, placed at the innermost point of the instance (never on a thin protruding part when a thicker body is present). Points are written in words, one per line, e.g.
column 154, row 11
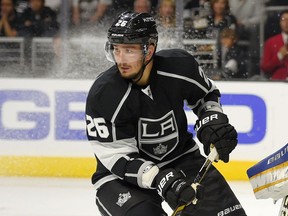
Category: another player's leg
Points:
column 117, row 198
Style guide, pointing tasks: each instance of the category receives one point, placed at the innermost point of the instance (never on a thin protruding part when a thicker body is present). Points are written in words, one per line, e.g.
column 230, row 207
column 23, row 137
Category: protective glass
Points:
column 124, row 53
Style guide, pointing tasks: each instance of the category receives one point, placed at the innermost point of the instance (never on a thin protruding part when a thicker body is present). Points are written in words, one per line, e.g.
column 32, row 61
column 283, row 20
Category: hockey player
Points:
column 138, row 128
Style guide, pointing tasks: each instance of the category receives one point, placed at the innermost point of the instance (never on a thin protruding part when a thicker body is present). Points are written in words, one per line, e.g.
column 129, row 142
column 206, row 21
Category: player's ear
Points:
column 150, row 52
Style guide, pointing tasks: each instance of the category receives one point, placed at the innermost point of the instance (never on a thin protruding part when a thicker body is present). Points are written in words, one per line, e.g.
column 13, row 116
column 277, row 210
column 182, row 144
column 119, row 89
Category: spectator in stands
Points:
column 196, row 8
column 54, row 5
column 248, row 14
column 220, row 18
column 210, row 26
column 189, row 4
column 10, row 23
column 89, row 12
column 195, row 15
column 119, row 6
column 271, row 26
column 230, row 61
column 166, row 24
column 39, row 20
column 142, row 6
column 165, row 17
column 274, row 62
column 21, row 6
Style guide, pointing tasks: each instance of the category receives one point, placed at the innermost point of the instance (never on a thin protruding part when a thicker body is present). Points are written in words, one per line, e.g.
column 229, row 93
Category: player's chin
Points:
column 127, row 74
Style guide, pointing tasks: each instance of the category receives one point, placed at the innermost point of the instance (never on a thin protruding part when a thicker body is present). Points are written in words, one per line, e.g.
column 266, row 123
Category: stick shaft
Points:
column 213, row 155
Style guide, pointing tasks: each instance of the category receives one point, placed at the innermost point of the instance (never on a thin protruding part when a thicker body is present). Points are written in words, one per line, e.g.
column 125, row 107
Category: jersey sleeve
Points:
column 111, row 132
column 196, row 88
column 199, row 91
column 208, row 97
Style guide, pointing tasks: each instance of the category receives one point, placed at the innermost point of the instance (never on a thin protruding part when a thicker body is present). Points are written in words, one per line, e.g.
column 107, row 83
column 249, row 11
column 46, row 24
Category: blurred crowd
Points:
column 233, row 24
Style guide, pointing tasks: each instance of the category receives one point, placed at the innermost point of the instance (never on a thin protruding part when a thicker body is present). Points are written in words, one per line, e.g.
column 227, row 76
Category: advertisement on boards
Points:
column 47, row 117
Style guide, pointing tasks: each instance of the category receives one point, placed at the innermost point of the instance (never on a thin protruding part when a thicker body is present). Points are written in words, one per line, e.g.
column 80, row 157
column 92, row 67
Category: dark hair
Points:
column 283, row 12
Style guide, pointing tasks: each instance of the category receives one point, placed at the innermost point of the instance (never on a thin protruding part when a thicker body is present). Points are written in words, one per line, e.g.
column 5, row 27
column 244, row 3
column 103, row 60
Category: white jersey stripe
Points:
column 110, row 153
column 107, row 212
column 183, row 78
column 118, row 109
column 121, row 102
column 201, row 101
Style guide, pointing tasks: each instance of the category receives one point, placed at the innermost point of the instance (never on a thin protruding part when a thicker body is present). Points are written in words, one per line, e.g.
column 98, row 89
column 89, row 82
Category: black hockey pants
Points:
column 118, row 198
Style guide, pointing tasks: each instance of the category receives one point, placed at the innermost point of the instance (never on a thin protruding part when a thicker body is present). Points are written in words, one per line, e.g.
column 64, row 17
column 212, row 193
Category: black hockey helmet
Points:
column 132, row 28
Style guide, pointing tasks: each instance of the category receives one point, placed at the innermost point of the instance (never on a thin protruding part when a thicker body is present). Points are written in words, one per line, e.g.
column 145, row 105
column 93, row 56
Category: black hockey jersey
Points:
column 130, row 126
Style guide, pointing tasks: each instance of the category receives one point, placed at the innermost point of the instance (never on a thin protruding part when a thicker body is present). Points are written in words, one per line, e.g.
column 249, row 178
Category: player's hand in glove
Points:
column 175, row 190
column 214, row 128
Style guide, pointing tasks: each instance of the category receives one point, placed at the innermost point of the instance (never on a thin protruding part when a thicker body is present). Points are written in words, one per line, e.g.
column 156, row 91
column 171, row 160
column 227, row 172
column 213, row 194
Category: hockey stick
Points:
column 284, row 207
column 213, row 155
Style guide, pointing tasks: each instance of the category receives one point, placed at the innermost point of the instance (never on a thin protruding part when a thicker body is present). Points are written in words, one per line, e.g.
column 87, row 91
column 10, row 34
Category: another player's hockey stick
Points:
column 213, row 155
column 284, row 207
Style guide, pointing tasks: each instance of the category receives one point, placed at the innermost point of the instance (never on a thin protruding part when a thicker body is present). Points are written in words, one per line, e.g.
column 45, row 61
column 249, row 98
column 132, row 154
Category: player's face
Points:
column 129, row 59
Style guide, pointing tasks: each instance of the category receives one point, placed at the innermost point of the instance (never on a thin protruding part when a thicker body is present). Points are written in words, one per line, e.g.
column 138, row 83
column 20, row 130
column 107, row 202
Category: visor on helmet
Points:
column 125, row 53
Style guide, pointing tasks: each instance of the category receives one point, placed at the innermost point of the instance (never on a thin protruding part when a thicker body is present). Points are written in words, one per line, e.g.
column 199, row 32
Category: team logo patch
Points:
column 160, row 149
column 158, row 137
column 123, row 198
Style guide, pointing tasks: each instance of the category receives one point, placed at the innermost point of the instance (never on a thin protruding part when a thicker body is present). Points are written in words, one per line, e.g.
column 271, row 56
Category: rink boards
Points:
column 42, row 127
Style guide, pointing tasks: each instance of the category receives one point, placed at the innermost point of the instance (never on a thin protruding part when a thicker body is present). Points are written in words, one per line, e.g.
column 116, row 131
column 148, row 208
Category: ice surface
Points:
column 23, row 196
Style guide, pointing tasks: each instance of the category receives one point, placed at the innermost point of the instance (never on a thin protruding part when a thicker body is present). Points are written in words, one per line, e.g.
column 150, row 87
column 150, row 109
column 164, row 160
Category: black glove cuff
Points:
column 166, row 178
column 210, row 118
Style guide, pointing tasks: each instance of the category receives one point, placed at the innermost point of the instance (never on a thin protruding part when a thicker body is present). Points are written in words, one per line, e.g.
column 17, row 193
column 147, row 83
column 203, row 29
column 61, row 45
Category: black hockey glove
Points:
column 214, row 128
column 175, row 190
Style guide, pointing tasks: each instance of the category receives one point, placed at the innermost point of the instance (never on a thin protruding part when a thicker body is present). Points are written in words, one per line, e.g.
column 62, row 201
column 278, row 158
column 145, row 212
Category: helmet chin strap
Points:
column 141, row 71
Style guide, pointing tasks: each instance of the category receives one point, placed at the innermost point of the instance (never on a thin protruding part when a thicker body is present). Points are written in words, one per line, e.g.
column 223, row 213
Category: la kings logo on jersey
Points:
column 158, row 137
